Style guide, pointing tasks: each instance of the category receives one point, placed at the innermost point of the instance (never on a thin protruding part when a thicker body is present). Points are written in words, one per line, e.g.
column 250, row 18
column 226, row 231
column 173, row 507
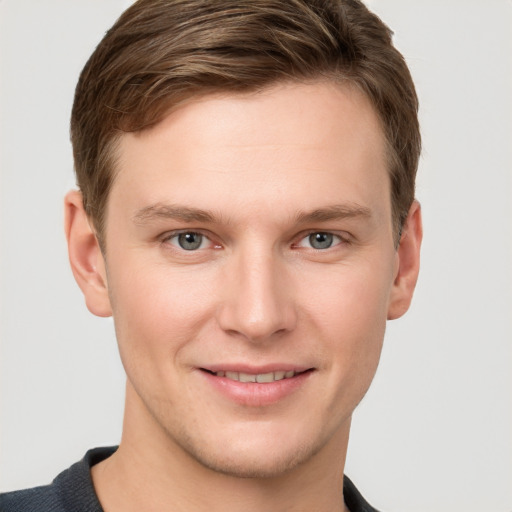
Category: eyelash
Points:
column 338, row 240
column 341, row 240
column 167, row 239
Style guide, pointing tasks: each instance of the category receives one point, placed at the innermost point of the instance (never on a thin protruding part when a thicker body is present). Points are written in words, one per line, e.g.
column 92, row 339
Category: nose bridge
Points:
column 257, row 304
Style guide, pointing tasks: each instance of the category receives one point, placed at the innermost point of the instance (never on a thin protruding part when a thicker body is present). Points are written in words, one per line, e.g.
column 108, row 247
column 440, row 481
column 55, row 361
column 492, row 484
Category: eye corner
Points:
column 186, row 240
column 189, row 241
column 321, row 240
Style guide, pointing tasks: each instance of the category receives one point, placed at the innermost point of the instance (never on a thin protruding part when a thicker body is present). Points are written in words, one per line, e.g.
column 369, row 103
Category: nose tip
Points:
column 257, row 303
column 256, row 321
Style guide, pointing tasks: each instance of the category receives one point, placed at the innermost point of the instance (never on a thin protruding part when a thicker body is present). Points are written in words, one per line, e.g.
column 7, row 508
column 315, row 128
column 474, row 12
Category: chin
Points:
column 259, row 460
column 252, row 465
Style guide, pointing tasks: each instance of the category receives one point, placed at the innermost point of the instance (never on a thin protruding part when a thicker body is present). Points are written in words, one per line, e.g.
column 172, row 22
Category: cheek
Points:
column 156, row 313
column 351, row 315
column 350, row 298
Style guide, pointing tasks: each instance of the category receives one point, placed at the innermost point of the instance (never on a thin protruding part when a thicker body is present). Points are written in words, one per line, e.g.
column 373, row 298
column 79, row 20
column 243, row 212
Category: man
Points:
column 246, row 214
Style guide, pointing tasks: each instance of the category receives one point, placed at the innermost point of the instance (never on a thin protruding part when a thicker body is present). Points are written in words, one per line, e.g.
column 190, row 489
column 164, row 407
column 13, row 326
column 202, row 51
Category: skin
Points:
column 267, row 171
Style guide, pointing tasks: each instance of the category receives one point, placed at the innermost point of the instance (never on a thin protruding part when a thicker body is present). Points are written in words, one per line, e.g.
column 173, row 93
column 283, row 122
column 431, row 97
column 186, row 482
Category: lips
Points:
column 256, row 387
column 256, row 377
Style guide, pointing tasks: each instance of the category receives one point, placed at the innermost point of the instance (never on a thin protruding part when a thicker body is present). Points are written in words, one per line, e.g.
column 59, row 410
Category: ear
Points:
column 85, row 256
column 408, row 256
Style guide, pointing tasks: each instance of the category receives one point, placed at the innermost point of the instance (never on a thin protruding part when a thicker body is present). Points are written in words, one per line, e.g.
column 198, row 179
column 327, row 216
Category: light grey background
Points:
column 435, row 431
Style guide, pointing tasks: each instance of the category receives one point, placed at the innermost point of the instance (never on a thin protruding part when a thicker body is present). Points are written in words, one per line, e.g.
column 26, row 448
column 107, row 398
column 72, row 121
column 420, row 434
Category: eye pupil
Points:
column 190, row 241
column 321, row 240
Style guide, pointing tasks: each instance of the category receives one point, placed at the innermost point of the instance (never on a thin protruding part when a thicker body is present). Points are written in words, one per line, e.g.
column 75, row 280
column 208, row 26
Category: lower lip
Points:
column 256, row 394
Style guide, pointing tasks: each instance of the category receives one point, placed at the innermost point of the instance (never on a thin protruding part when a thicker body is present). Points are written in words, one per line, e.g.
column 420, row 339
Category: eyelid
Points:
column 343, row 237
column 167, row 236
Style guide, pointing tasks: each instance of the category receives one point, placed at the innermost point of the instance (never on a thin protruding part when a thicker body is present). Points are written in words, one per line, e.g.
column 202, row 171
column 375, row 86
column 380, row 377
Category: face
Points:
column 250, row 267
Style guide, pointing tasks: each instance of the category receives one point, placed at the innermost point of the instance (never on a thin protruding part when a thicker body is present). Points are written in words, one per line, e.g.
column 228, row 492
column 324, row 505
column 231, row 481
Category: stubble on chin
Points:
column 251, row 464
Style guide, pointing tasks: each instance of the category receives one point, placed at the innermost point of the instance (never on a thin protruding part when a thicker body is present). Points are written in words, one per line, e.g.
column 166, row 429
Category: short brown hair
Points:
column 162, row 52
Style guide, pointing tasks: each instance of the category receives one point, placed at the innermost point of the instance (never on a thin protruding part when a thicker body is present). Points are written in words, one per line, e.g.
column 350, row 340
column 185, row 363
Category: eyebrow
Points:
column 188, row 214
column 334, row 212
column 175, row 212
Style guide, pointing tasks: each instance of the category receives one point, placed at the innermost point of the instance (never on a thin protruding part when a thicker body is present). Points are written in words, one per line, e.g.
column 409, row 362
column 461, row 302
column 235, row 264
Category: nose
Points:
column 257, row 297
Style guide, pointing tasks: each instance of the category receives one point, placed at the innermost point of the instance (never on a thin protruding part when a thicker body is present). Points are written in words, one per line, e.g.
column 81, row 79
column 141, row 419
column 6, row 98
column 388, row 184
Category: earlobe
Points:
column 85, row 256
column 408, row 254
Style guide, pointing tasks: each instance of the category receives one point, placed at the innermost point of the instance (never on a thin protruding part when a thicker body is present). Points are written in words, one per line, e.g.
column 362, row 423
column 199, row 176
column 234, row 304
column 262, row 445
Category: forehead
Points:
column 299, row 142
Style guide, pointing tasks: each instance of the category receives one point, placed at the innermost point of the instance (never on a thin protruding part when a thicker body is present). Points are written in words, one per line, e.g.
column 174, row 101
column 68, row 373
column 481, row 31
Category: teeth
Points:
column 246, row 377
column 260, row 377
column 265, row 377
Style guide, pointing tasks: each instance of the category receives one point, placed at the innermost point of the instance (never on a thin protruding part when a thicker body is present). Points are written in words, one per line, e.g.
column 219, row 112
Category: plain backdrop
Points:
column 435, row 431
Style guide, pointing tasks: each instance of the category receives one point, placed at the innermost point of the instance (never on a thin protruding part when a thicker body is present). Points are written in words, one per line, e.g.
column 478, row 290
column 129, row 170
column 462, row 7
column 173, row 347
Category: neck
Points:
column 151, row 472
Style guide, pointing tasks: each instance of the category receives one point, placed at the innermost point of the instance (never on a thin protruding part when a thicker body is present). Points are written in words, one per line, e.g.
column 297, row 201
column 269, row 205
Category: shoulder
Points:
column 72, row 490
column 43, row 499
column 353, row 498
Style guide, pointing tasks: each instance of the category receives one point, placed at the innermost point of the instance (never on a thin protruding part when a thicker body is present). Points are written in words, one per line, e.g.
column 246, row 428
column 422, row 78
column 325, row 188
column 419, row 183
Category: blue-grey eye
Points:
column 190, row 241
column 321, row 240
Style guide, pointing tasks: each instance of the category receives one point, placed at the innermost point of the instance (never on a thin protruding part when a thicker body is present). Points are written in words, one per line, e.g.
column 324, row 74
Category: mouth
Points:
column 256, row 387
column 261, row 378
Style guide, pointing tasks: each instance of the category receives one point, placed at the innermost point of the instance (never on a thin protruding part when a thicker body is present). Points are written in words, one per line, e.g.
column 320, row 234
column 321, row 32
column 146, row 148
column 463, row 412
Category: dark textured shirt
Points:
column 72, row 491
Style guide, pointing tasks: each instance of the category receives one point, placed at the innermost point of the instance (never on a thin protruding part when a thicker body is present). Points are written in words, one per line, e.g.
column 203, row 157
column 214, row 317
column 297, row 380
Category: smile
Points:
column 264, row 377
column 259, row 387
column 259, row 377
